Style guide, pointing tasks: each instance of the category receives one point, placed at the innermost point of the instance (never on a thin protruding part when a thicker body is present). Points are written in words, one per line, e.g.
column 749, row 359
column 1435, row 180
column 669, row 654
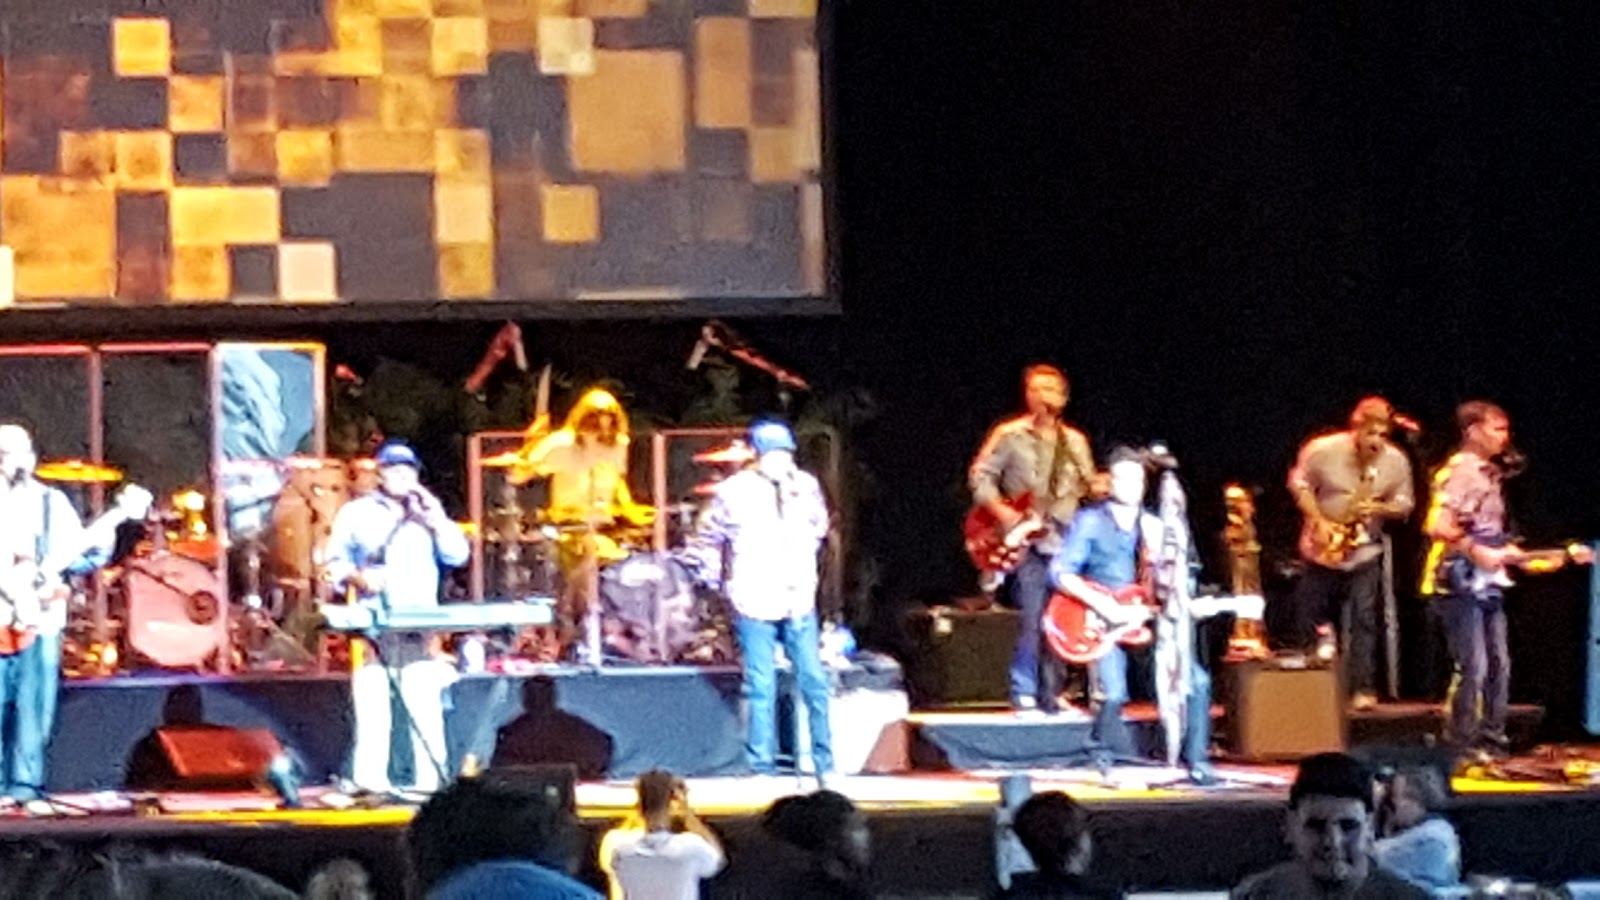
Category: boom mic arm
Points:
column 718, row 334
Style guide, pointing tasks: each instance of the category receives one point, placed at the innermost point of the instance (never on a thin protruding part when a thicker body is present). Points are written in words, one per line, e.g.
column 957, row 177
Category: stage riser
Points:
column 612, row 724
column 999, row 739
column 1009, row 743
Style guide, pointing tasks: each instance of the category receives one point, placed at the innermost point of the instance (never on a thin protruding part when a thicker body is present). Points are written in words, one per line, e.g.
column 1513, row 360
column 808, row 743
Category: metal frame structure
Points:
column 209, row 354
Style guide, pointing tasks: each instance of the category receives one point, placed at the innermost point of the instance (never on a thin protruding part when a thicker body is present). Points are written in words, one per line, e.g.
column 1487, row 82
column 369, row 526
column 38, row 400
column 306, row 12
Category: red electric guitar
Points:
column 1079, row 635
column 995, row 549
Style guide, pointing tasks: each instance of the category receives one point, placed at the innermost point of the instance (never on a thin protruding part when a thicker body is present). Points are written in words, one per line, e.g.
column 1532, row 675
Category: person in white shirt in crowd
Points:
column 388, row 548
column 764, row 527
column 663, row 851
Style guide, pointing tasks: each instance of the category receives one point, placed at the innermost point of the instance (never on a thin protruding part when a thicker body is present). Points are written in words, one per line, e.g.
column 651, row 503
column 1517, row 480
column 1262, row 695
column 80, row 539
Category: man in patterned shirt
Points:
column 1467, row 526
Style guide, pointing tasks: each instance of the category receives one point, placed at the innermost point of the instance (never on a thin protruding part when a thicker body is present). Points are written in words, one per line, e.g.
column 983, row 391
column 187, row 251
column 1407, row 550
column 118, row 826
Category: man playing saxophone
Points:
column 1348, row 485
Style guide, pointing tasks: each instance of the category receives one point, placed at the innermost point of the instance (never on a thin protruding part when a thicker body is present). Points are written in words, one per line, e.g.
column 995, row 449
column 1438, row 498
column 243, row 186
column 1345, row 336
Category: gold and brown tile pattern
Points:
column 305, row 151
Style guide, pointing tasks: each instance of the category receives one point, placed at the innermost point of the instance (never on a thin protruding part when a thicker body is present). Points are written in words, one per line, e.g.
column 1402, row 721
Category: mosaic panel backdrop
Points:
column 306, row 151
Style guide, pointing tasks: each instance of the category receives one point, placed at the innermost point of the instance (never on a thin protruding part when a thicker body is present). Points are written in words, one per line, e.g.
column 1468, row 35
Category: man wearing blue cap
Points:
column 766, row 524
column 388, row 548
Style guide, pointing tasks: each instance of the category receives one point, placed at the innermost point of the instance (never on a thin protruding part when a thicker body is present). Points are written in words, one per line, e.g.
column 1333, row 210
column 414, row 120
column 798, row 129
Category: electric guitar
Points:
column 1467, row 578
column 1079, row 635
column 28, row 596
column 995, row 549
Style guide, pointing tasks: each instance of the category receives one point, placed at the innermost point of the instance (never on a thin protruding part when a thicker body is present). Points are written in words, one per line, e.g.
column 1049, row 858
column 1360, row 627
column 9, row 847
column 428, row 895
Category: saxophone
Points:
column 1350, row 542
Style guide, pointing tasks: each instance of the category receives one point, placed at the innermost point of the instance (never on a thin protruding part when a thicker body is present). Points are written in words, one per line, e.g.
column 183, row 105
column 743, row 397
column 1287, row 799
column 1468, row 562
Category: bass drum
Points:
column 648, row 609
column 177, row 610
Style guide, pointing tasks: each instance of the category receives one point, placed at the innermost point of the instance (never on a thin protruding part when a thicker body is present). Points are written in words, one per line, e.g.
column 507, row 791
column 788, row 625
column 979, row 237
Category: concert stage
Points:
column 613, row 722
column 931, row 831
column 931, row 827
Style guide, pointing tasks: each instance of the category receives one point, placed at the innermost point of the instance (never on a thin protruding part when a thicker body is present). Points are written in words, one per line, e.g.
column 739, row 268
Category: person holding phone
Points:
column 664, row 850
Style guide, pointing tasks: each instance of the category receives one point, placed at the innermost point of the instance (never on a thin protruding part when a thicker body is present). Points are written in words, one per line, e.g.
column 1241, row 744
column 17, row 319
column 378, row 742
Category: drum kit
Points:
column 164, row 601
column 651, row 610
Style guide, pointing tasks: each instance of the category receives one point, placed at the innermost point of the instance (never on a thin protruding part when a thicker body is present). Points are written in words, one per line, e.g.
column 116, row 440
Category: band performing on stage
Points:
column 1099, row 562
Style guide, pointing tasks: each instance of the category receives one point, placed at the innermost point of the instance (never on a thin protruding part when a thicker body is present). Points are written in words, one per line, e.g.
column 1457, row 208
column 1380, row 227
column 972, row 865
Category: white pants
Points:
column 422, row 687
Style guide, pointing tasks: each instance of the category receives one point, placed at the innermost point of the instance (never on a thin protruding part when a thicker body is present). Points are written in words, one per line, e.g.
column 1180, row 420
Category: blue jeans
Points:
column 29, row 681
column 1109, row 735
column 1475, row 629
column 1197, row 707
column 1035, row 674
column 758, row 641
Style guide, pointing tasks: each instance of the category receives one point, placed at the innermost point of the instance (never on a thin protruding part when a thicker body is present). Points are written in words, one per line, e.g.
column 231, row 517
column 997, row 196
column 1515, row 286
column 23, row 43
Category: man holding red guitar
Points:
column 1099, row 560
column 1027, row 481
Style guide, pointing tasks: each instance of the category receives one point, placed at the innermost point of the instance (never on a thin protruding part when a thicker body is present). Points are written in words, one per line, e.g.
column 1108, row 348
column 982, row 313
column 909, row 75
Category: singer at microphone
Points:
column 395, row 562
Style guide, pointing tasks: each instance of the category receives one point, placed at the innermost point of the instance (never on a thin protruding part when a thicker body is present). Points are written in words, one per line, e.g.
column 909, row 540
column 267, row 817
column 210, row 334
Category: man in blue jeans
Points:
column 1468, row 557
column 764, row 529
column 1034, row 463
column 1100, row 555
column 41, row 541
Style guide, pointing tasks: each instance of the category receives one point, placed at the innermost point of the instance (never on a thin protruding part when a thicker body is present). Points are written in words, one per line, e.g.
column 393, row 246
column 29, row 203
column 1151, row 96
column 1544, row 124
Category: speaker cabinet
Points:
column 202, row 757
column 958, row 657
column 557, row 783
column 1281, row 713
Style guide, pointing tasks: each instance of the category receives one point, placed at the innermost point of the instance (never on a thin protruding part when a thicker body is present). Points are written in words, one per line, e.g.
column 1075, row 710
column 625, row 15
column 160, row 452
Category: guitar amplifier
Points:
column 959, row 657
column 1280, row 713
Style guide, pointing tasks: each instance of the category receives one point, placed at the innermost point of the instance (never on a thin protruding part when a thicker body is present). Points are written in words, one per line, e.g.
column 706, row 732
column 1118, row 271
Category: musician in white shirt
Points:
column 389, row 547
column 765, row 527
column 41, row 539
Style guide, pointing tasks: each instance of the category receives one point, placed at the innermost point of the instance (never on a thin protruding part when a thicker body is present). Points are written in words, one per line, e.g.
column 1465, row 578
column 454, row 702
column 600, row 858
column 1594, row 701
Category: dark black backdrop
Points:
column 1225, row 220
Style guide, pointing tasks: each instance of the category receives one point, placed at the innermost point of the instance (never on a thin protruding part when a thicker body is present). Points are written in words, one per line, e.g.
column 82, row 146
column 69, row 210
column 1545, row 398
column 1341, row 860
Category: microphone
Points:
column 417, row 505
column 698, row 354
column 1405, row 423
column 519, row 352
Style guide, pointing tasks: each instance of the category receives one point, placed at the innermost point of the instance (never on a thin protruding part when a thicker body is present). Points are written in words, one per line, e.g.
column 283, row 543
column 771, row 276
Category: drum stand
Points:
column 256, row 633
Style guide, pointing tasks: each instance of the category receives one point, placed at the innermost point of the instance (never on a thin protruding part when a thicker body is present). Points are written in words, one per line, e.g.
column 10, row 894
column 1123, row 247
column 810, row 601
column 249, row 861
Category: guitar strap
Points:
column 1053, row 487
column 41, row 541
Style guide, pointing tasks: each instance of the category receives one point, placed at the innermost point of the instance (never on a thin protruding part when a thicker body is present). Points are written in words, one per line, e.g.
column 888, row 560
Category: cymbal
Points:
column 736, row 453
column 313, row 462
column 77, row 470
column 501, row 460
column 704, row 488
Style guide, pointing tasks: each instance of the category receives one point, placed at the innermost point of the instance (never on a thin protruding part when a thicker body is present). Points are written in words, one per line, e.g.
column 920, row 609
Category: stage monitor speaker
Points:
column 208, row 757
column 556, row 782
column 959, row 657
column 1281, row 713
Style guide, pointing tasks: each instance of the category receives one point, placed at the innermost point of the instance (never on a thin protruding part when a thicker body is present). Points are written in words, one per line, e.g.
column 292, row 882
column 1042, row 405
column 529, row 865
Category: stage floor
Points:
column 932, row 830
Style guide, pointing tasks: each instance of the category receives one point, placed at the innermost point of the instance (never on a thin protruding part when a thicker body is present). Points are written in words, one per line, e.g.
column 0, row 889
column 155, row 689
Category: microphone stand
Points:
column 718, row 334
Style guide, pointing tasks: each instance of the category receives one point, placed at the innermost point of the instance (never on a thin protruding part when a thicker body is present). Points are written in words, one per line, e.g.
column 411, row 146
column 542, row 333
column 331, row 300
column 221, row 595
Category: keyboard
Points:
column 449, row 617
